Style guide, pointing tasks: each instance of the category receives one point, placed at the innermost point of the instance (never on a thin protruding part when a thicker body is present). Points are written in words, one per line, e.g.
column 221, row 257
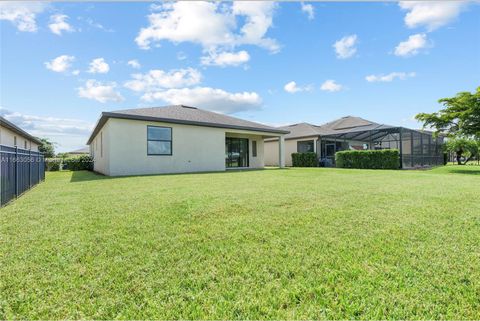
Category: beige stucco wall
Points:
column 194, row 149
column 254, row 162
column 99, row 150
column 271, row 150
column 7, row 138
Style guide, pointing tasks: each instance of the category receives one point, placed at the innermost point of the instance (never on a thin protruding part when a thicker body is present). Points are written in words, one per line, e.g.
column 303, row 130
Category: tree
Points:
column 47, row 148
column 459, row 117
column 463, row 146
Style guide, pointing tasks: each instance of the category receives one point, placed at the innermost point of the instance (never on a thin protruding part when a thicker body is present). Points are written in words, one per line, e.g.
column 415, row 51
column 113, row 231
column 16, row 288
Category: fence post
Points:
column 30, row 168
column 38, row 162
column 16, row 171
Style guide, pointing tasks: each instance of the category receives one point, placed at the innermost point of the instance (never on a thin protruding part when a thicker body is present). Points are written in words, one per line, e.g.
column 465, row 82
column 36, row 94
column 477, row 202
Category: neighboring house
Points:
column 21, row 165
column 178, row 139
column 417, row 148
column 13, row 136
column 78, row 152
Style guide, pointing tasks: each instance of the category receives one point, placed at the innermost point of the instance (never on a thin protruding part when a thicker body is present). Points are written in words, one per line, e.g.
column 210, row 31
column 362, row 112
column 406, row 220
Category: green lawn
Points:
column 272, row 244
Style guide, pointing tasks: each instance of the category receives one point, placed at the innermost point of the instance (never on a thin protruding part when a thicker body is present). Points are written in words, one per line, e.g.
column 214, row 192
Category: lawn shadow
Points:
column 468, row 172
column 84, row 176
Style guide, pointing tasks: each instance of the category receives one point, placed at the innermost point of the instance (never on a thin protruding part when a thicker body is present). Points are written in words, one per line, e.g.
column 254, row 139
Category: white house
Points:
column 13, row 136
column 178, row 139
column 418, row 148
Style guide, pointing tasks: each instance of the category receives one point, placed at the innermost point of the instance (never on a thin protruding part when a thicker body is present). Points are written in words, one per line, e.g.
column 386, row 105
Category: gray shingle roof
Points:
column 301, row 130
column 347, row 124
column 184, row 115
column 83, row 150
column 18, row 130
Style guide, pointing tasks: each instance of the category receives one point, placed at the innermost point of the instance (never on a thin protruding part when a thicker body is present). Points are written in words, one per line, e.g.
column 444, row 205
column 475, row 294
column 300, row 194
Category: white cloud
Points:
column 309, row 10
column 224, row 59
column 431, row 14
column 134, row 63
column 389, row 77
column 292, row 87
column 217, row 100
column 210, row 24
column 95, row 24
column 412, row 45
column 181, row 55
column 69, row 134
column 21, row 13
column 60, row 64
column 58, row 24
column 157, row 79
column 331, row 85
column 98, row 65
column 76, row 72
column 99, row 91
column 345, row 47
column 41, row 126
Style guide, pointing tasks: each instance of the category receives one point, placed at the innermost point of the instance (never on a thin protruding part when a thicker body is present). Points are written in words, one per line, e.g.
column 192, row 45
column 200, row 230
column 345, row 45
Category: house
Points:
column 13, row 136
column 417, row 148
column 178, row 139
column 78, row 152
column 21, row 166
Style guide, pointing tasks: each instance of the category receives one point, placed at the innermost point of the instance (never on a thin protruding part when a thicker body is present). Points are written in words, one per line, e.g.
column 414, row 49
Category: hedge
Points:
column 304, row 160
column 372, row 159
column 52, row 164
column 79, row 163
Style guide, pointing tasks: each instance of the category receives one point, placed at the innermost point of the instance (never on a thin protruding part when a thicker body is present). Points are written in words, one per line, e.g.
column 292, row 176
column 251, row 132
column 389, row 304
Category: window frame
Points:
column 254, row 148
column 161, row 140
column 312, row 141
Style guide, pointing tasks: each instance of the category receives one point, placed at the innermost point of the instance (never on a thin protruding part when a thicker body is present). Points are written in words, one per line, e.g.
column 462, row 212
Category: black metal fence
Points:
column 20, row 170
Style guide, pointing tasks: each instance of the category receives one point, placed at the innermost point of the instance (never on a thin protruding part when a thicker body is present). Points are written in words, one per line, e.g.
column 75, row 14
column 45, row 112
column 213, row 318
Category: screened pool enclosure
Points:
column 417, row 148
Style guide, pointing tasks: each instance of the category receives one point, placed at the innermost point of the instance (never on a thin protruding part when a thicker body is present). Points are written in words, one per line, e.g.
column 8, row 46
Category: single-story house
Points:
column 21, row 165
column 417, row 147
column 13, row 136
column 178, row 139
column 78, row 152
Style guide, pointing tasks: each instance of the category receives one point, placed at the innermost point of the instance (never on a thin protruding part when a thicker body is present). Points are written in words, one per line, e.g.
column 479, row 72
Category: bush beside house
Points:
column 304, row 160
column 368, row 159
column 77, row 163
column 52, row 164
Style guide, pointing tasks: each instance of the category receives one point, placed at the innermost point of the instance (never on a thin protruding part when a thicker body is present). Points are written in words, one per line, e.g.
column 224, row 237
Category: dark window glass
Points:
column 159, row 140
column 305, row 146
column 159, row 133
column 254, row 148
column 159, row 147
column 236, row 152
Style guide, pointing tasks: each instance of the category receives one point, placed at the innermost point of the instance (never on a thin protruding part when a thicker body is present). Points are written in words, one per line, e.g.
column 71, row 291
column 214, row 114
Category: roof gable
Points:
column 301, row 130
column 18, row 130
column 181, row 114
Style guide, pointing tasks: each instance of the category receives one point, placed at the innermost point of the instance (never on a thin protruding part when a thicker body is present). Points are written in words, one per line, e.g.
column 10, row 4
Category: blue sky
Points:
column 62, row 64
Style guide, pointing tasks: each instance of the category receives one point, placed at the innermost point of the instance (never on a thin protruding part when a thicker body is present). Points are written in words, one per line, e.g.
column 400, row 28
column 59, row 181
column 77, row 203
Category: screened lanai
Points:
column 417, row 148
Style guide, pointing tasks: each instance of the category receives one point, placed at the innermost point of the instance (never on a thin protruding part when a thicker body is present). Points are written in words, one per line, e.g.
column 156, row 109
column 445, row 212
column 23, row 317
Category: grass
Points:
column 273, row 244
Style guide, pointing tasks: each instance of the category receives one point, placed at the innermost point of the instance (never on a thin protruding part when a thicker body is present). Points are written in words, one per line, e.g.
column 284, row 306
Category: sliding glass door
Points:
column 236, row 152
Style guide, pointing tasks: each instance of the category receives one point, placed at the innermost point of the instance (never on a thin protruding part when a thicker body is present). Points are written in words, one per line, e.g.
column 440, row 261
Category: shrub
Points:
column 304, row 160
column 373, row 159
column 52, row 164
column 79, row 163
